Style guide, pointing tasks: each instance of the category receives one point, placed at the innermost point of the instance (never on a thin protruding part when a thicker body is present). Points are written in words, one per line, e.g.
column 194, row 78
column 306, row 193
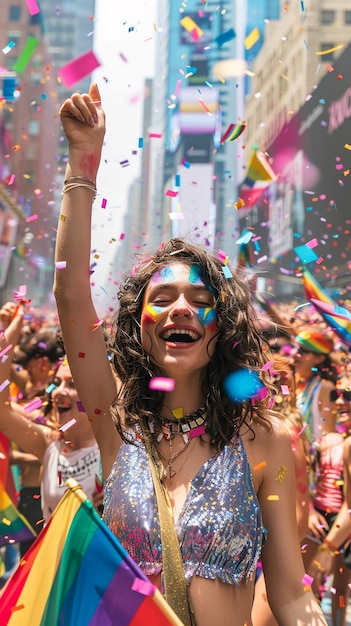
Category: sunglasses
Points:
column 338, row 393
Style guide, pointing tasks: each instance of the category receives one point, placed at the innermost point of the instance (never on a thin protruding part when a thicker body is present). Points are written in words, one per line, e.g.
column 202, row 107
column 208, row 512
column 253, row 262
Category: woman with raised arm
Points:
column 197, row 468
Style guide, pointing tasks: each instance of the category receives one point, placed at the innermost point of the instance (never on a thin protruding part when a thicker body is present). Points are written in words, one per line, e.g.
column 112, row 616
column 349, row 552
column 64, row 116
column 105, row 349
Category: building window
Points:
column 327, row 17
column 327, row 58
column 15, row 13
column 347, row 17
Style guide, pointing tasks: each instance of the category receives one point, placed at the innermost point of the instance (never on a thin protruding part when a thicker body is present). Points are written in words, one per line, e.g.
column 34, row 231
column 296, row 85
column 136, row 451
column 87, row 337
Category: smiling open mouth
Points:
column 180, row 336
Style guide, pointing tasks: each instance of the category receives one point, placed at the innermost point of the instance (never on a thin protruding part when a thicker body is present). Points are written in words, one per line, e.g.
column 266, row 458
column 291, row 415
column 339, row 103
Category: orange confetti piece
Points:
column 17, row 608
column 260, row 465
column 204, row 106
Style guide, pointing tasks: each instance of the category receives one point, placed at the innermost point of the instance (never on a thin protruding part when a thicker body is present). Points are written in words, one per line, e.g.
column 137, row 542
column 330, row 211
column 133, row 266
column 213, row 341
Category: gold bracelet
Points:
column 73, row 178
column 71, row 186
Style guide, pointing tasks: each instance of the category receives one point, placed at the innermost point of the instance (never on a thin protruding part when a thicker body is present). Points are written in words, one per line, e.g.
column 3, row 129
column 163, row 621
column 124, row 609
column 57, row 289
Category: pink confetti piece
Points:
column 171, row 194
column 32, row 7
column 12, row 179
column 4, row 384
column 155, row 135
column 266, row 366
column 204, row 106
column 104, row 203
column 307, row 580
column 61, row 265
column 33, row 405
column 79, row 68
column 221, row 255
column 32, row 218
column 5, row 350
column 67, row 425
column 122, row 236
column 124, row 58
column 313, row 243
column 285, row 390
column 160, row 383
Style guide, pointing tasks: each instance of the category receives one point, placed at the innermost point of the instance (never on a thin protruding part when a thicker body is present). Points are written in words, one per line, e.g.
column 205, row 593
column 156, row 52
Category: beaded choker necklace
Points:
column 190, row 426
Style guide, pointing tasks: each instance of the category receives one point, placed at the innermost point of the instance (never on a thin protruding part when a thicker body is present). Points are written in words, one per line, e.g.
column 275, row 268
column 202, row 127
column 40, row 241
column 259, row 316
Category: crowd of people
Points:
column 234, row 415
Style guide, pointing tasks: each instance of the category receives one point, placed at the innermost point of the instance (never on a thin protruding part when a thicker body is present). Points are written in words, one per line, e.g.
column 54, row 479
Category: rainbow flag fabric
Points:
column 77, row 573
column 13, row 526
column 258, row 178
column 327, row 307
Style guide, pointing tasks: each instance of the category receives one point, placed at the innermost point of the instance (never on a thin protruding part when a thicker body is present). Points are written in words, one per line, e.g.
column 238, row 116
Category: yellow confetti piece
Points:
column 63, row 218
column 191, row 26
column 321, row 52
column 280, row 477
column 273, row 497
column 6, row 521
column 347, row 146
column 252, row 38
column 178, row 413
column 260, row 465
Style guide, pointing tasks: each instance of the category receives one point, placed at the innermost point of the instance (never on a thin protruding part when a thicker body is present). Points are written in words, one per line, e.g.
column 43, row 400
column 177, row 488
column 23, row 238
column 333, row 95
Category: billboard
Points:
column 309, row 203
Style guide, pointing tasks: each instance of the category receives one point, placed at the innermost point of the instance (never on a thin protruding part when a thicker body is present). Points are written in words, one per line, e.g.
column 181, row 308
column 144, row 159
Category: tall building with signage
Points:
column 303, row 218
column 197, row 91
column 295, row 112
column 37, row 46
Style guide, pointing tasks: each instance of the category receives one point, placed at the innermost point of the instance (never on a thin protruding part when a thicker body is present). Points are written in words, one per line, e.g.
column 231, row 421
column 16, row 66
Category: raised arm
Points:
column 31, row 437
column 83, row 122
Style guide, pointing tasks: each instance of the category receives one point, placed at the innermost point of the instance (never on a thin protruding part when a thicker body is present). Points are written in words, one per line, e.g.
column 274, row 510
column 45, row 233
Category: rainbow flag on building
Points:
column 336, row 317
column 76, row 573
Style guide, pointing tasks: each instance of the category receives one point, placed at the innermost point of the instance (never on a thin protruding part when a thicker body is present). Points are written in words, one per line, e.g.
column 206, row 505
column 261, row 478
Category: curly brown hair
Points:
column 239, row 345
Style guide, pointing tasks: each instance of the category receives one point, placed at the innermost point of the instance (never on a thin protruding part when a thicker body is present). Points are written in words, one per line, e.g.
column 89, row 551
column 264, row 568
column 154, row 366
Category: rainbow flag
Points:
column 328, row 309
column 76, row 573
column 258, row 178
column 13, row 526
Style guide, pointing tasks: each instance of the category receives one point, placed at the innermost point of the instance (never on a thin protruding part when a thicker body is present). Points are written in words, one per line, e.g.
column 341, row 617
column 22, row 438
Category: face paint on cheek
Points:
column 150, row 315
column 208, row 317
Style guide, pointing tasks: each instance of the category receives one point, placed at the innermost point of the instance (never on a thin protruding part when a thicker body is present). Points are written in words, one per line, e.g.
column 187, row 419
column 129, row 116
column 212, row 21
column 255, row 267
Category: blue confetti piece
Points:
column 242, row 385
column 226, row 271
column 223, row 38
column 306, row 254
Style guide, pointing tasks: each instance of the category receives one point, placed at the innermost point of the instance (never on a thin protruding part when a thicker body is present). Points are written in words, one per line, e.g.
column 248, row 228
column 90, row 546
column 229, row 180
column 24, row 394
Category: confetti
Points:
column 242, row 385
column 223, row 38
column 32, row 218
column 26, row 54
column 307, row 580
column 67, row 425
column 32, row 7
column 259, row 466
column 273, row 497
column 160, row 383
column 9, row 47
column 79, row 68
column 252, row 38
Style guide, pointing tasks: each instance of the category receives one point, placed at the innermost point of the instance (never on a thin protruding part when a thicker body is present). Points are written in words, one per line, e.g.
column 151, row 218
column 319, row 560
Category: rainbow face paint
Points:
column 166, row 286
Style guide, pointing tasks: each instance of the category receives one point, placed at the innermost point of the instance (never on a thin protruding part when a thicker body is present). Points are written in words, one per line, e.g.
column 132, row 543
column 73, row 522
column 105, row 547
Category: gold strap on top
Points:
column 176, row 589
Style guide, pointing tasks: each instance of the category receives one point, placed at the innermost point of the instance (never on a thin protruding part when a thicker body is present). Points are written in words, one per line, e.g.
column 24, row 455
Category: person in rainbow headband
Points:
column 173, row 433
column 315, row 379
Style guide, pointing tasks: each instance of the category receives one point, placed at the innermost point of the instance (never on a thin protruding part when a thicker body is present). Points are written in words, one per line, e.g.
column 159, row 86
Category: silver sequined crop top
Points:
column 219, row 528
